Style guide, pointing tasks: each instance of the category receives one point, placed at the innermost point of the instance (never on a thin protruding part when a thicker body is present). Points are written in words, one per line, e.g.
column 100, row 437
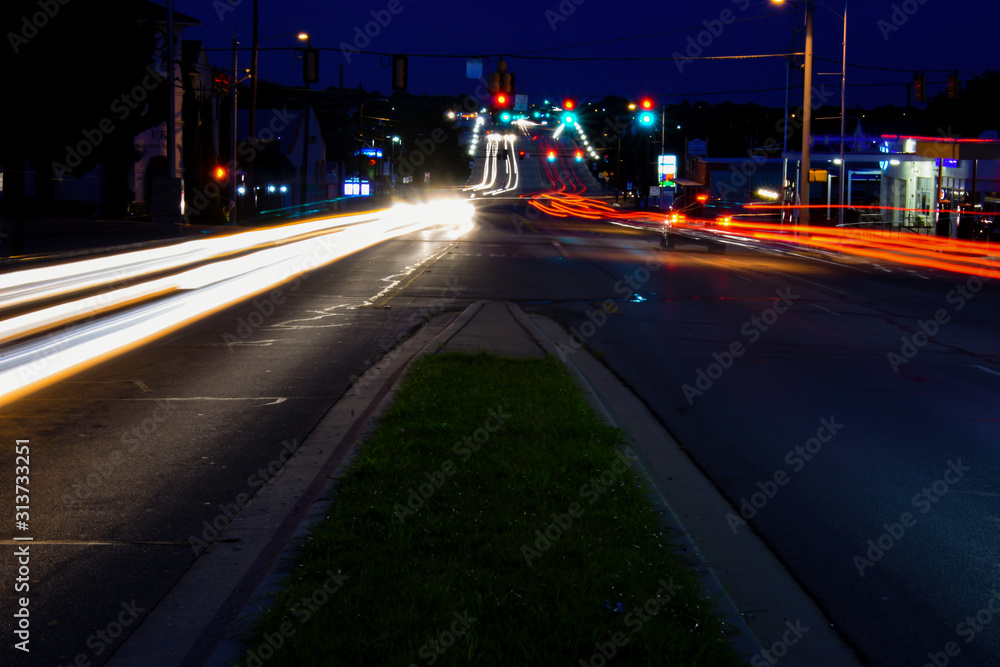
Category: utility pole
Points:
column 843, row 116
column 252, row 123
column 806, row 118
column 236, row 212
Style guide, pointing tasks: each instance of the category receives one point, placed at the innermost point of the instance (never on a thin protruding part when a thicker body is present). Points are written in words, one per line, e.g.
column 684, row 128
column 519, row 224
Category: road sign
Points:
column 520, row 102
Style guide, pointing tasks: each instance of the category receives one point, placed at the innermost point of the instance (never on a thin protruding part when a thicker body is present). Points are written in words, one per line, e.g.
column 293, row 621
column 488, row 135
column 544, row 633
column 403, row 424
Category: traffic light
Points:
column 953, row 86
column 507, row 84
column 493, row 83
column 220, row 173
column 579, row 156
column 222, row 81
column 646, row 103
column 568, row 119
column 505, row 117
column 400, row 67
column 501, row 100
column 520, row 155
column 552, row 156
column 310, row 65
column 646, row 118
column 918, row 87
column 569, row 104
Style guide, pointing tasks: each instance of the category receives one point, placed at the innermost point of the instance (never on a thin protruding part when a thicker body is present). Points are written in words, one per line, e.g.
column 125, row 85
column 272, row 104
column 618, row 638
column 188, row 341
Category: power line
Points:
column 700, row 26
column 751, row 56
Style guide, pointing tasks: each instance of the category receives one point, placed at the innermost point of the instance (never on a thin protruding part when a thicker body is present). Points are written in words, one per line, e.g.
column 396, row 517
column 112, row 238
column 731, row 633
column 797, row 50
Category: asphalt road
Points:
column 134, row 461
column 870, row 475
column 849, row 408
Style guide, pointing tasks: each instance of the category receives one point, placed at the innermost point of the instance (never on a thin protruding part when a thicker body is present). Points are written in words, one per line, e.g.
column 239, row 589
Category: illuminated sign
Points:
column 666, row 169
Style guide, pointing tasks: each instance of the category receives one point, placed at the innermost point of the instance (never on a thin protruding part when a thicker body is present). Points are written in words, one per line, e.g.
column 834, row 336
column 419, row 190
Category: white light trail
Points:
column 192, row 294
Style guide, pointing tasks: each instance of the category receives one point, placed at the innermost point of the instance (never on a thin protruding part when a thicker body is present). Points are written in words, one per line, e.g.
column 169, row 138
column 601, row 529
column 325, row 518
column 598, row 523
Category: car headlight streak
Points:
column 130, row 316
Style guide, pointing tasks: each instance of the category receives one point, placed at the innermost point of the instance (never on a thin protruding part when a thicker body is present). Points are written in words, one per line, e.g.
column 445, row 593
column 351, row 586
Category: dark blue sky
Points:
column 905, row 35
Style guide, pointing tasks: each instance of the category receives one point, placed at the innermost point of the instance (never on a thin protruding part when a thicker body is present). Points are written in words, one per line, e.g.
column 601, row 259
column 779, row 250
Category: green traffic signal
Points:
column 646, row 118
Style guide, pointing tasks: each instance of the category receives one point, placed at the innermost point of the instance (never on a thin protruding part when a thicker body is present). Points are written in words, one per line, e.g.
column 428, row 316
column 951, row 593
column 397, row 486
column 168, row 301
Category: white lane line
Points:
column 814, row 305
column 274, row 400
column 986, row 370
column 560, row 250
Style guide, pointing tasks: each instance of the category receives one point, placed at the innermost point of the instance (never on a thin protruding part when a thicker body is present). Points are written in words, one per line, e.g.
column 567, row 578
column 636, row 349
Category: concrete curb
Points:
column 204, row 617
column 739, row 571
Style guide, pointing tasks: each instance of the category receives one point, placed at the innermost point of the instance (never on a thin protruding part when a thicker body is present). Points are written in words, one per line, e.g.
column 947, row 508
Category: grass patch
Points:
column 489, row 520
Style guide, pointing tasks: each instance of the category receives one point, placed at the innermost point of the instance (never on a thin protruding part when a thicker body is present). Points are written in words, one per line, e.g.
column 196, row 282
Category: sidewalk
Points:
column 203, row 618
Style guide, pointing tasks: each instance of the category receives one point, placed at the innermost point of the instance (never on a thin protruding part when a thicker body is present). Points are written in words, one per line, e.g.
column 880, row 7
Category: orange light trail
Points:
column 955, row 255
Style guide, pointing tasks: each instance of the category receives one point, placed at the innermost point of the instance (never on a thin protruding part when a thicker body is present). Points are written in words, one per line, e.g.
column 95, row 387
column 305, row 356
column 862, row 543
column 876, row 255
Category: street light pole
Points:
column 305, row 137
column 843, row 116
column 806, row 118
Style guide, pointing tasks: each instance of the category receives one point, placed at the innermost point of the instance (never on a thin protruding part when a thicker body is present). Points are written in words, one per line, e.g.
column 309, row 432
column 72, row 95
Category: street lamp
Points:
column 254, row 76
column 304, row 37
column 807, row 110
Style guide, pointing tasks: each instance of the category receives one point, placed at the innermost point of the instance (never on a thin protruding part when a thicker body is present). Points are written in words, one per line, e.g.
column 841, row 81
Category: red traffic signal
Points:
column 220, row 173
column 552, row 156
column 646, row 103
column 501, row 100
column 569, row 104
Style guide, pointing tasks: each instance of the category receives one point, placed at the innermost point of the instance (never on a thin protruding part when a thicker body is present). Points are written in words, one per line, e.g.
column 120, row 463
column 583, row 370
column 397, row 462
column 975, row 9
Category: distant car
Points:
column 691, row 218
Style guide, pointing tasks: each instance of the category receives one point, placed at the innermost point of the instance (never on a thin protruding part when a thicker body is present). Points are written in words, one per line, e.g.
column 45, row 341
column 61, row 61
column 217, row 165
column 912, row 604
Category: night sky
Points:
column 899, row 35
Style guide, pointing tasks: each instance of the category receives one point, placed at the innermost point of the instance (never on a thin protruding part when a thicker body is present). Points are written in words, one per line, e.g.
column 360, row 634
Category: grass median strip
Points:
column 490, row 519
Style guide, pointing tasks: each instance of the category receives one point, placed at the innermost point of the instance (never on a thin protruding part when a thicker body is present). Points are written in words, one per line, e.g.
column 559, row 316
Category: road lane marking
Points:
column 382, row 299
column 986, row 370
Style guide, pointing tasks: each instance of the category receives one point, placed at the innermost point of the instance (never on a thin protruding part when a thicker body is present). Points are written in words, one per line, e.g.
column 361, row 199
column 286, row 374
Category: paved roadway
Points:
column 774, row 371
column 130, row 458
